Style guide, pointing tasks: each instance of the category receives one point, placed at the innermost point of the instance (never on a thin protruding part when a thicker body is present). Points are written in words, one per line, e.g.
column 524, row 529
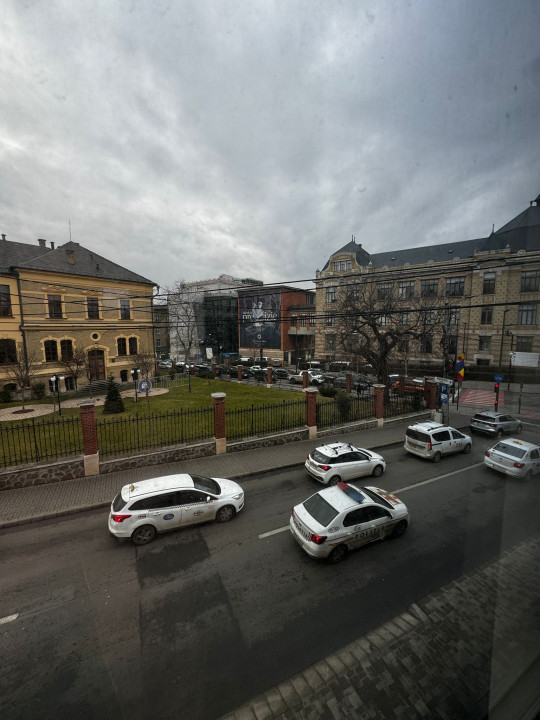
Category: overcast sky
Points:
column 188, row 138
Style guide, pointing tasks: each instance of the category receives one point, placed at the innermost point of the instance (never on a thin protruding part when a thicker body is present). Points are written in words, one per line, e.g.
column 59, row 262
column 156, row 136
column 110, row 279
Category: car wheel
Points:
column 467, row 449
column 399, row 530
column 143, row 535
column 338, row 554
column 377, row 471
column 291, row 381
column 436, row 457
column 226, row 513
column 519, row 429
column 334, row 480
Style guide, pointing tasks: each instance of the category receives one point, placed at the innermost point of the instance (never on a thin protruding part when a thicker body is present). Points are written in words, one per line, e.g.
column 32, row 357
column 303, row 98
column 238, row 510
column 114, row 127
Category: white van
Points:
column 432, row 440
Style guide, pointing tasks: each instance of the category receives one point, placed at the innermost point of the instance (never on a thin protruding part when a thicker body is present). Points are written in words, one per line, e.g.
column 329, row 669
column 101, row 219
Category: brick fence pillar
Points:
column 348, row 382
column 311, row 412
column 269, row 377
column 378, row 404
column 239, row 373
column 90, row 439
column 219, row 423
column 305, row 381
column 430, row 395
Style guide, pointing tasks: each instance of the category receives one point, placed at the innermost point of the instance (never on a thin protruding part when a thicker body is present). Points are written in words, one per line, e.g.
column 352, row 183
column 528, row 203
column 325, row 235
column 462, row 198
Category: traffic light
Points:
column 496, row 387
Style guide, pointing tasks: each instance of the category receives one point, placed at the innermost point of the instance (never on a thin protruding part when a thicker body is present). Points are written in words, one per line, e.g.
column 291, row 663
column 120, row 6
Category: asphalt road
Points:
column 201, row 620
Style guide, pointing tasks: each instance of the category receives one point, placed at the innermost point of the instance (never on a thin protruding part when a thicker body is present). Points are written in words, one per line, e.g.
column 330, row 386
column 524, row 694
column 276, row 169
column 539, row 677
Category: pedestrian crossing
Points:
column 485, row 398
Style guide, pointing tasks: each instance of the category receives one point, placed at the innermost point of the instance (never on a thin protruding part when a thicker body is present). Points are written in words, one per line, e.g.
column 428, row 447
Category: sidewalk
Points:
column 469, row 650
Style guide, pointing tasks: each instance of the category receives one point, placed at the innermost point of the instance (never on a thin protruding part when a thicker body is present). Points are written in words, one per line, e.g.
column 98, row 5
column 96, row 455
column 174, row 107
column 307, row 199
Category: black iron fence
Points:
column 264, row 419
column 34, row 440
column 121, row 436
column 394, row 405
column 346, row 408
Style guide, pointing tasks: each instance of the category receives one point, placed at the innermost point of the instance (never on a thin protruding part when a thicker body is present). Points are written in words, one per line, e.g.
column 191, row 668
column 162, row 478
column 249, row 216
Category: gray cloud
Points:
column 188, row 138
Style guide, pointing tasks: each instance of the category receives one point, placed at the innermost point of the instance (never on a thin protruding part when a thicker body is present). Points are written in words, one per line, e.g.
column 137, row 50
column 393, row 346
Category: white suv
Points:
column 432, row 440
column 143, row 509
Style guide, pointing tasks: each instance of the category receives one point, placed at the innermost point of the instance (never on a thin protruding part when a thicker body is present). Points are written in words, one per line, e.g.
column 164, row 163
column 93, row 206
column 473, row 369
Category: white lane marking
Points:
column 8, row 618
column 274, row 532
column 394, row 492
column 439, row 477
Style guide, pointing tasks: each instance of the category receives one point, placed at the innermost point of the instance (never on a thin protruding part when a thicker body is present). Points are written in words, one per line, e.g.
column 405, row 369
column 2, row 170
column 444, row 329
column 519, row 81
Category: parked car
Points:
column 514, row 457
column 281, row 373
column 314, row 378
column 494, row 423
column 345, row 516
column 143, row 509
column 165, row 365
column 329, row 464
column 432, row 440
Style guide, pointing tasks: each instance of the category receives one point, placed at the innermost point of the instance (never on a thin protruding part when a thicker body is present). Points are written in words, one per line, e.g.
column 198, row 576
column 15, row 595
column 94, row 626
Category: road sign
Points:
column 498, row 378
column 145, row 386
column 443, row 393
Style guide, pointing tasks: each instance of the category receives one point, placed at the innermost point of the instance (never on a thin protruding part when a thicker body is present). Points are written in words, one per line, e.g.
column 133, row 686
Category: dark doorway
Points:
column 96, row 362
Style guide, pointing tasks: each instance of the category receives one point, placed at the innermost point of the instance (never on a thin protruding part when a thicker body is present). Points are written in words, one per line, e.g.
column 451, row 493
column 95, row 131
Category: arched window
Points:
column 66, row 349
column 51, row 350
column 8, row 352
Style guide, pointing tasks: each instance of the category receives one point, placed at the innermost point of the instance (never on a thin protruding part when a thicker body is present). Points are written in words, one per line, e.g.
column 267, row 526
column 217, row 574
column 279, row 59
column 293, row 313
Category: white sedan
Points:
column 341, row 461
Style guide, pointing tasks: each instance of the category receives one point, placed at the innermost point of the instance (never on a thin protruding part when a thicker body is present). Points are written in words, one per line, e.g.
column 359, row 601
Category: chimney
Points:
column 3, row 236
column 70, row 255
column 41, row 242
column 52, row 245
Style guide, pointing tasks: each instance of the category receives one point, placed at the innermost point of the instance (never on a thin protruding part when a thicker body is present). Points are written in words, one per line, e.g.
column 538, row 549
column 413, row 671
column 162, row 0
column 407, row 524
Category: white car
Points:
column 143, row 509
column 345, row 516
column 341, row 461
column 432, row 440
column 314, row 378
column 514, row 457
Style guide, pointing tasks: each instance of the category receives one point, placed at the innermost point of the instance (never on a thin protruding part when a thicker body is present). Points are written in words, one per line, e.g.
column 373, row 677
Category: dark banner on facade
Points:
column 260, row 321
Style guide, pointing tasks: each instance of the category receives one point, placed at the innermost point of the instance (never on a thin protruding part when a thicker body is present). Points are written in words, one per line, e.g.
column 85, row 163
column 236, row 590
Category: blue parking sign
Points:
column 443, row 393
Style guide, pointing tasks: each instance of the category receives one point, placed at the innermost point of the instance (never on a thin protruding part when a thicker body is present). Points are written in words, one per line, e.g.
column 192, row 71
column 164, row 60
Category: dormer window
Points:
column 342, row 265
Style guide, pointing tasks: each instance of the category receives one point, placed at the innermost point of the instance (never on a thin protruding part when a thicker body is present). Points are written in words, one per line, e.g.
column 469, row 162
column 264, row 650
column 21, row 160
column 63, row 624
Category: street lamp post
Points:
column 135, row 376
column 56, row 384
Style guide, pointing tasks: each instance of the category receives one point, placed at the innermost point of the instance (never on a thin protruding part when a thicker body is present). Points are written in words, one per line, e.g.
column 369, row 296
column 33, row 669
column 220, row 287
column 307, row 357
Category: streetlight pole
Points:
column 56, row 380
column 135, row 376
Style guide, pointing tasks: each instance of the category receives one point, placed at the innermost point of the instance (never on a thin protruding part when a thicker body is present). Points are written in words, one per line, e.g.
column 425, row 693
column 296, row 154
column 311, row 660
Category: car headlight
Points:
column 238, row 497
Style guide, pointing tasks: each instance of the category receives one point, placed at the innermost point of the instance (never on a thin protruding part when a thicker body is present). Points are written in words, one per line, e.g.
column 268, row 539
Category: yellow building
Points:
column 69, row 312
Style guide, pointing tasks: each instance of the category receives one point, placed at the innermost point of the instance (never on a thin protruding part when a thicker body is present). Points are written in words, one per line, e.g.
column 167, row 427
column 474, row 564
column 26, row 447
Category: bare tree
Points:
column 146, row 364
column 22, row 368
column 376, row 319
column 75, row 365
column 183, row 304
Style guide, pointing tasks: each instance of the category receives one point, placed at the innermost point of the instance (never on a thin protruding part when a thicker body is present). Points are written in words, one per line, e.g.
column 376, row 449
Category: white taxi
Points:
column 341, row 461
column 514, row 457
column 346, row 516
column 145, row 508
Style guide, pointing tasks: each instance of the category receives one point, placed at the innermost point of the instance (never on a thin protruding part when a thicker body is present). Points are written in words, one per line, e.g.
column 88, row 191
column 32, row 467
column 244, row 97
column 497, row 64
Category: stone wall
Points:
column 41, row 473
column 167, row 455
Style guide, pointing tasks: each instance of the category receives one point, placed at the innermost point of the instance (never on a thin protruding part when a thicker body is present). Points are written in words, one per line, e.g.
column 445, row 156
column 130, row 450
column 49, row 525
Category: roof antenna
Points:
column 69, row 221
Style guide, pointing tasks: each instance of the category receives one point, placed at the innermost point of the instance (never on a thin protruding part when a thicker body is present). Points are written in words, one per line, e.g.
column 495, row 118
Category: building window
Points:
column 125, row 310
column 329, row 342
column 331, row 294
column 482, row 361
column 527, row 314
column 530, row 281
column 426, row 344
column 92, row 304
column 8, row 352
column 66, row 349
column 524, row 343
column 488, row 287
column 69, row 382
column 341, row 265
column 404, row 344
column 5, row 301
column 158, row 331
column 429, row 288
column 452, row 344
column 55, row 306
column 405, row 318
column 158, row 342
column 123, row 375
column 293, row 320
column 330, row 320
column 122, row 346
column 484, row 343
column 455, row 286
column 406, row 289
column 303, row 320
column 486, row 317
column 385, row 320
column 132, row 346
column 384, row 291
column 453, row 316
column 51, row 350
column 311, row 320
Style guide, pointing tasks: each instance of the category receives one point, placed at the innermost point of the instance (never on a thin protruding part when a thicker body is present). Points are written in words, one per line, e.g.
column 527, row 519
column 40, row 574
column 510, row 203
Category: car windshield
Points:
column 509, row 449
column 320, row 509
column 206, row 484
column 118, row 502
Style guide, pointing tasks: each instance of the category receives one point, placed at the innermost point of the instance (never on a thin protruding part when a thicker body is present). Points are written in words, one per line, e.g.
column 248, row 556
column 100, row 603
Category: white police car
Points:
column 145, row 508
column 346, row 516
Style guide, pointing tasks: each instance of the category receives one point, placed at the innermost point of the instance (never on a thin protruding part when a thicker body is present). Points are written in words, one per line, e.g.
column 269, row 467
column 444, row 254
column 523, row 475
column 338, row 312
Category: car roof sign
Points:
column 352, row 492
